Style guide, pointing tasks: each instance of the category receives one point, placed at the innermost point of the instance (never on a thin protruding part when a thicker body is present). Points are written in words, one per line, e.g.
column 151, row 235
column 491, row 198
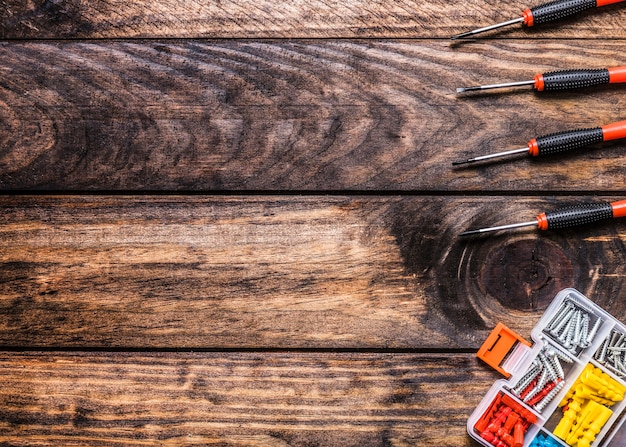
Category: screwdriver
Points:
column 563, row 80
column 566, row 217
column 544, row 13
column 560, row 142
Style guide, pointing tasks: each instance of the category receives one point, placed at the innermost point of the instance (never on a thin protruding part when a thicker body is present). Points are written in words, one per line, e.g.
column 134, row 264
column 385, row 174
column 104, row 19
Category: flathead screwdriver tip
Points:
column 463, row 162
column 469, row 233
column 498, row 228
column 491, row 156
column 494, row 86
column 462, row 35
column 486, row 28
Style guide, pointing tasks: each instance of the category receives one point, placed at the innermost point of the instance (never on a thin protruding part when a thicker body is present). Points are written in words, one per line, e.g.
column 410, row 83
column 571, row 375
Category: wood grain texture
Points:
column 275, row 116
column 285, row 19
column 251, row 399
column 288, row 272
column 326, row 319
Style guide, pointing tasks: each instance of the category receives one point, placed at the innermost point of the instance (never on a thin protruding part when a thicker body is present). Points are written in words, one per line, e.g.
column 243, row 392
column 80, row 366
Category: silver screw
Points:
column 577, row 327
column 528, row 377
column 612, row 353
column 562, row 354
column 565, row 307
column 551, row 395
column 563, row 322
column 603, row 349
column 565, row 334
column 553, row 361
column 594, row 331
column 543, row 379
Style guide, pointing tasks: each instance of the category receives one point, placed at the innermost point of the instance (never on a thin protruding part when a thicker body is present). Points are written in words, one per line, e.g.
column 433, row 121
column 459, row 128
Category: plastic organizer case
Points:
column 565, row 389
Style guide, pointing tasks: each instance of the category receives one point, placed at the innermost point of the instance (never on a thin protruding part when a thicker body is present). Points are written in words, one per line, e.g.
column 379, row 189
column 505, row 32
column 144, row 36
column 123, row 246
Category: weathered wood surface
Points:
column 282, row 115
column 280, row 272
column 238, row 399
column 286, row 19
column 103, row 297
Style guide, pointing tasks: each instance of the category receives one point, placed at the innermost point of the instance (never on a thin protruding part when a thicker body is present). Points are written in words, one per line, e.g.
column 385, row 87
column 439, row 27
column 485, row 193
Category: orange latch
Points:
column 498, row 346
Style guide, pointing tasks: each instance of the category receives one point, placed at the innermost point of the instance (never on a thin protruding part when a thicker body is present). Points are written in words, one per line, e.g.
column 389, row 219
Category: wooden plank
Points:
column 288, row 272
column 236, row 399
column 285, row 19
column 274, row 116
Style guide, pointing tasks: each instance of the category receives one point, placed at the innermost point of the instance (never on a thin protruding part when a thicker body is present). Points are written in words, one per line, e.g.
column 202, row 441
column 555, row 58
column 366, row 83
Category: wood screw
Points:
column 612, row 353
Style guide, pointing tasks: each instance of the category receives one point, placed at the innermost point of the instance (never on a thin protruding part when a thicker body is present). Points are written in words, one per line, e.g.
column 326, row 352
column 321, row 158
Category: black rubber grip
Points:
column 559, row 9
column 568, row 79
column 579, row 215
column 557, row 143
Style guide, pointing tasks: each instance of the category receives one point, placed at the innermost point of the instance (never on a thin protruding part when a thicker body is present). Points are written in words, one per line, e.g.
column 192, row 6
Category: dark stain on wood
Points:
column 514, row 273
column 431, row 260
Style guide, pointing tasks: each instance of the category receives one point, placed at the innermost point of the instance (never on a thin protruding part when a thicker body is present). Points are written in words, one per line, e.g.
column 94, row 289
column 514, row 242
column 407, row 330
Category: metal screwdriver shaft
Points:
column 545, row 13
column 487, row 28
column 501, row 227
column 490, row 156
column 565, row 217
column 494, row 86
column 561, row 142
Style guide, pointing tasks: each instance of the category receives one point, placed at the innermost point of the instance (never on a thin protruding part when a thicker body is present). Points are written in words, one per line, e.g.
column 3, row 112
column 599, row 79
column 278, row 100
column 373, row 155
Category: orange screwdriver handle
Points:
column 560, row 142
column 619, row 208
column 617, row 75
column 560, row 9
column 580, row 215
column 614, row 131
column 607, row 2
column 571, row 79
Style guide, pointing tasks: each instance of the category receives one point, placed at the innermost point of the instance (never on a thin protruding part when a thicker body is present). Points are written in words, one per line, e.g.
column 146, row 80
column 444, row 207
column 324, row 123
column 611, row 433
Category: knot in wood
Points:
column 526, row 274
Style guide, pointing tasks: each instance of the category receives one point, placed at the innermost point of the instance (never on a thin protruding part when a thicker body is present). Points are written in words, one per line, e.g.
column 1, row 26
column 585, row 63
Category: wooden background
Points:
column 235, row 223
